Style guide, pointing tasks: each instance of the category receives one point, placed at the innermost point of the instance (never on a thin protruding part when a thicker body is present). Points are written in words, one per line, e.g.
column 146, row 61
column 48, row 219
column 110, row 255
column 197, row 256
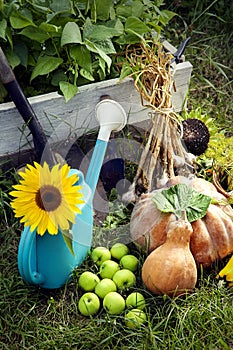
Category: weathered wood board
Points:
column 62, row 120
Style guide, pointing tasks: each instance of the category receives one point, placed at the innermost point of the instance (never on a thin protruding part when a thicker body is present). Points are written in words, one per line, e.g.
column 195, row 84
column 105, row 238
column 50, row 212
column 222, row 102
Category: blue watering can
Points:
column 46, row 260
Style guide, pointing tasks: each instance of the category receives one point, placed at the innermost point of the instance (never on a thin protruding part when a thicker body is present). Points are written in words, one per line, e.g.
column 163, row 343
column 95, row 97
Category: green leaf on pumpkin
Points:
column 181, row 197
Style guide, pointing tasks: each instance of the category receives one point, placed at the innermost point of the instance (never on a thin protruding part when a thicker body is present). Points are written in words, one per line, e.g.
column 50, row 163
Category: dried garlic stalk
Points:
column 163, row 155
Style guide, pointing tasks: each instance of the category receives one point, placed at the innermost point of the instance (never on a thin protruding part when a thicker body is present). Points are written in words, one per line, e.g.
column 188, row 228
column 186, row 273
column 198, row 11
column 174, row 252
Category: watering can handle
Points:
column 27, row 250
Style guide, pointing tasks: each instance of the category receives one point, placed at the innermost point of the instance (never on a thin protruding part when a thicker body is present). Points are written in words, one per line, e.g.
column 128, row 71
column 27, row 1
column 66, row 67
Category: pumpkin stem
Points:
column 183, row 215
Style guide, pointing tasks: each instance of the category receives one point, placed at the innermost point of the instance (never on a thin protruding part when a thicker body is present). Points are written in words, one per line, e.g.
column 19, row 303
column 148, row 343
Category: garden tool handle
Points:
column 177, row 55
column 6, row 74
column 8, row 79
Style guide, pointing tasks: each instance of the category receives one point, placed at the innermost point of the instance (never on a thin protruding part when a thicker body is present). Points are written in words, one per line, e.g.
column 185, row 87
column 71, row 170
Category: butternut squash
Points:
column 171, row 269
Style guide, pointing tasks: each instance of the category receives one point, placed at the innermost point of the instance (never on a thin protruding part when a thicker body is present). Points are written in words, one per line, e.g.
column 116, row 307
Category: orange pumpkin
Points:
column 212, row 236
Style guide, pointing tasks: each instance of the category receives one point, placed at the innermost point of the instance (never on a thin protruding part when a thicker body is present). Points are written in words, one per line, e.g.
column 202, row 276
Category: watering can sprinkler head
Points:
column 111, row 117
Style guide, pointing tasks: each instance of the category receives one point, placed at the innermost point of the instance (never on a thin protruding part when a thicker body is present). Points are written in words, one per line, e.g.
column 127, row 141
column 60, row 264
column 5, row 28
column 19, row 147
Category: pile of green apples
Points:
column 110, row 286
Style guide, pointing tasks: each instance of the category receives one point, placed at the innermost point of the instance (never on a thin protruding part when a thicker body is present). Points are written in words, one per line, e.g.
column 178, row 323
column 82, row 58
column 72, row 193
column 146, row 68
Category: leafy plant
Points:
column 219, row 154
column 219, row 159
column 72, row 43
column 180, row 198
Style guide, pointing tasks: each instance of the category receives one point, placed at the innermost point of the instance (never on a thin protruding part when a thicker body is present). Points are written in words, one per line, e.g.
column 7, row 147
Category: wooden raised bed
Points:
column 62, row 121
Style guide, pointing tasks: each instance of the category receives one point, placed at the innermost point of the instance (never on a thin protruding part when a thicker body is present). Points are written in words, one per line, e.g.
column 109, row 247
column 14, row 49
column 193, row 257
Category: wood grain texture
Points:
column 61, row 120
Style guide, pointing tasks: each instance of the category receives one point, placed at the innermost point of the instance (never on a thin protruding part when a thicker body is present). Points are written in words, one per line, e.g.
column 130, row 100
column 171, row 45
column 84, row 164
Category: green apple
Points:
column 118, row 250
column 88, row 280
column 129, row 262
column 114, row 303
column 104, row 287
column 89, row 304
column 124, row 279
column 100, row 254
column 108, row 268
column 135, row 318
column 135, row 300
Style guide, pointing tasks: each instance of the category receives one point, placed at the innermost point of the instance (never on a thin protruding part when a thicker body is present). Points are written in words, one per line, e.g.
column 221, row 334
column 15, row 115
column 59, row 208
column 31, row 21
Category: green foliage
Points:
column 6, row 181
column 219, row 158
column 220, row 149
column 182, row 198
column 71, row 43
column 202, row 12
column 210, row 24
column 219, row 154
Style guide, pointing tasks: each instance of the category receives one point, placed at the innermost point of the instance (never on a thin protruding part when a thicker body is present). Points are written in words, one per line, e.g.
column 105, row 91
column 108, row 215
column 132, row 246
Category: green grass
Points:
column 33, row 318
column 209, row 24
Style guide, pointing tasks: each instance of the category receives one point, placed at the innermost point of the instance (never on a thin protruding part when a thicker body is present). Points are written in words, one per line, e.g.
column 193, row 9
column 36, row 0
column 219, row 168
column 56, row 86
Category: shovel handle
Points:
column 6, row 74
column 8, row 79
column 180, row 50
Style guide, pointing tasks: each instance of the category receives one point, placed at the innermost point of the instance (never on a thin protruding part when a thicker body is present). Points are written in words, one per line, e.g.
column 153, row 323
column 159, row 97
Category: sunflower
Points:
column 47, row 200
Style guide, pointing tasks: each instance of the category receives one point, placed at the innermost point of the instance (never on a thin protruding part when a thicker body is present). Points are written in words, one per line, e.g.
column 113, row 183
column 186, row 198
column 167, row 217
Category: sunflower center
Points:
column 48, row 198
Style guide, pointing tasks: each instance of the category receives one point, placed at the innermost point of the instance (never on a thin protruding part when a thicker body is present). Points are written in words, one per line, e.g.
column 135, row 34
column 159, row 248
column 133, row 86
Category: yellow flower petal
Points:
column 65, row 170
column 227, row 270
column 42, row 188
column 52, row 228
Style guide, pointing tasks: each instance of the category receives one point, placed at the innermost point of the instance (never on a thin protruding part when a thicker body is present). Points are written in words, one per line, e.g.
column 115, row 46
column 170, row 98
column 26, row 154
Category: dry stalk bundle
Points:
column 163, row 155
column 153, row 78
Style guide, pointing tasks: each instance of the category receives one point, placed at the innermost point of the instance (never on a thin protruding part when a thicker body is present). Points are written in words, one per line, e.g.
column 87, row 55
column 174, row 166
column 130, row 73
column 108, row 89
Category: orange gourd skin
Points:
column 171, row 269
column 212, row 237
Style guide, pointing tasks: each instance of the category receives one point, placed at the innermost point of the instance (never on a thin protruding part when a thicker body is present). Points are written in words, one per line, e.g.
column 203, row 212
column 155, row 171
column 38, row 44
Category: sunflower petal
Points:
column 227, row 272
column 26, row 205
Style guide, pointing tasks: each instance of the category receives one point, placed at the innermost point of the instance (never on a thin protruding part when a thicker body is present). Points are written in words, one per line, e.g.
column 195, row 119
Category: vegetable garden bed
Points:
column 63, row 121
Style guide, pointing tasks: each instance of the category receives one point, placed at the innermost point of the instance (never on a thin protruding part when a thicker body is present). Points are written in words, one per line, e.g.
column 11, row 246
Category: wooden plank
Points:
column 62, row 120
column 169, row 47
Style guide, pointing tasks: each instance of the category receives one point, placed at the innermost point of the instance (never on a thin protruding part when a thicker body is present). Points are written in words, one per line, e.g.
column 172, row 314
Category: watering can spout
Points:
column 111, row 117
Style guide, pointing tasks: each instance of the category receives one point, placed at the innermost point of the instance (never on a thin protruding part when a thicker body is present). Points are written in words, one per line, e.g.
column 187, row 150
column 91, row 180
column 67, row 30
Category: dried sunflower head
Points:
column 196, row 136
